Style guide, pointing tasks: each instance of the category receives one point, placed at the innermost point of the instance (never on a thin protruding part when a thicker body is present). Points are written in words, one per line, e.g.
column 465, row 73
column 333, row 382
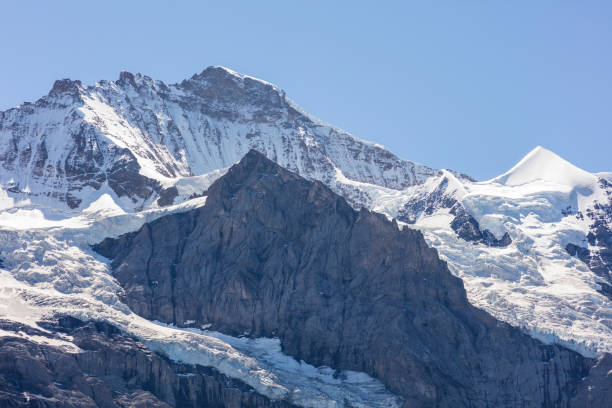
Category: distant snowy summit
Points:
column 136, row 137
column 542, row 165
column 533, row 245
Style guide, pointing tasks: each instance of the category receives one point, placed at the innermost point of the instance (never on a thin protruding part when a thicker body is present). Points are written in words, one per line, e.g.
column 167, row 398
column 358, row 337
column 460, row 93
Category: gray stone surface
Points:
column 271, row 254
column 595, row 391
column 112, row 371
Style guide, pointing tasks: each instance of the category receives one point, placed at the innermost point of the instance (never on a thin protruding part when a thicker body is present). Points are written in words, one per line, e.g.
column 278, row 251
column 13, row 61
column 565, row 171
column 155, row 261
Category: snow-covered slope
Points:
column 546, row 206
column 533, row 246
column 47, row 268
column 135, row 137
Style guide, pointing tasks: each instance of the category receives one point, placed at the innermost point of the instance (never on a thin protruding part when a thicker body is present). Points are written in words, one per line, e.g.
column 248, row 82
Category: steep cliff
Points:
column 272, row 254
column 106, row 368
column 136, row 136
column 140, row 144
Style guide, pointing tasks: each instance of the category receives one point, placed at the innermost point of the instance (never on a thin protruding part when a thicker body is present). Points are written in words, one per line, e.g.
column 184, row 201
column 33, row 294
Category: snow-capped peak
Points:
column 218, row 75
column 238, row 75
column 543, row 165
column 138, row 136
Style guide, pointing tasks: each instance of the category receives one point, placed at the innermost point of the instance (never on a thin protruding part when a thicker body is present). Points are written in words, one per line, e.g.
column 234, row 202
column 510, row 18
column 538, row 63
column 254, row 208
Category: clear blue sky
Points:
column 467, row 85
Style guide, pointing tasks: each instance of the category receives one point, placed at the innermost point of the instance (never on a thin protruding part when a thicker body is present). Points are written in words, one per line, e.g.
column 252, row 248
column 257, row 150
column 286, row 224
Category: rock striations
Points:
column 109, row 370
column 272, row 254
column 270, row 250
column 134, row 136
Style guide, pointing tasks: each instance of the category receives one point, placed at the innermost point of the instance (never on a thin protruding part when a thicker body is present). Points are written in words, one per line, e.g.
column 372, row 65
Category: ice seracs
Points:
column 543, row 203
column 85, row 162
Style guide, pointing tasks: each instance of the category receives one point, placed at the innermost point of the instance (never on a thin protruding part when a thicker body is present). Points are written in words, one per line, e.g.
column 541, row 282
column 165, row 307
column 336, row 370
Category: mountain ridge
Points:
column 139, row 141
column 272, row 254
column 87, row 162
column 160, row 132
column 543, row 164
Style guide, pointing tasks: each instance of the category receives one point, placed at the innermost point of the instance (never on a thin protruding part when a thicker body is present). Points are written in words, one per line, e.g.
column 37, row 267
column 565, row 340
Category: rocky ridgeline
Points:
column 135, row 135
column 272, row 254
column 109, row 370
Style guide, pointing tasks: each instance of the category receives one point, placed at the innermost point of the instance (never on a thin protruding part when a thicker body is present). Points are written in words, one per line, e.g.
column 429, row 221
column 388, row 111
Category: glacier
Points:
column 50, row 270
column 89, row 162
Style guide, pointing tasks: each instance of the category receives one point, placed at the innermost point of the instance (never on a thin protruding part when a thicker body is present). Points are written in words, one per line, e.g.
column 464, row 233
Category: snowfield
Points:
column 533, row 283
column 48, row 269
column 184, row 137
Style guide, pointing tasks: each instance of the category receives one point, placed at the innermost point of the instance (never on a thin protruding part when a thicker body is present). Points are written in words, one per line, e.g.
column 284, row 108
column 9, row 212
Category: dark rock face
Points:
column 467, row 228
column 464, row 225
column 271, row 254
column 580, row 252
column 124, row 178
column 111, row 370
column 426, row 204
column 595, row 390
column 599, row 256
column 167, row 196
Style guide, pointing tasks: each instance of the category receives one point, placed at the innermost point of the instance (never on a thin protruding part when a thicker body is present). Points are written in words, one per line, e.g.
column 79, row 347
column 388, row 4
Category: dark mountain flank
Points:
column 273, row 254
column 111, row 370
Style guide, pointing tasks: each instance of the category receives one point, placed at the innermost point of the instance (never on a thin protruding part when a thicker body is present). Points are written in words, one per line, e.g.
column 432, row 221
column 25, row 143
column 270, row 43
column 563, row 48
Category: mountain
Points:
column 271, row 254
column 533, row 247
column 135, row 137
column 542, row 165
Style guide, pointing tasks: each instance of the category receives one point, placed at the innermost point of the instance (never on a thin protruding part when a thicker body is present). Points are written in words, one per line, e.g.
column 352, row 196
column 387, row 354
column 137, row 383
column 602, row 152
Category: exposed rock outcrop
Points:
column 595, row 391
column 136, row 133
column 272, row 254
column 109, row 370
column 427, row 203
column 598, row 257
column 466, row 227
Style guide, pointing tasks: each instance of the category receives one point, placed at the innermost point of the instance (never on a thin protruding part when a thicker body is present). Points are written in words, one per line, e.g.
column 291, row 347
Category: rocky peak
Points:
column 66, row 86
column 274, row 255
column 225, row 86
column 126, row 77
column 134, row 80
column 254, row 166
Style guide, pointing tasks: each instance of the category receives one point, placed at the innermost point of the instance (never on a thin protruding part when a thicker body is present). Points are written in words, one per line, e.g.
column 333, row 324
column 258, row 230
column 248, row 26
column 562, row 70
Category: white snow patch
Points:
column 49, row 269
column 542, row 164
